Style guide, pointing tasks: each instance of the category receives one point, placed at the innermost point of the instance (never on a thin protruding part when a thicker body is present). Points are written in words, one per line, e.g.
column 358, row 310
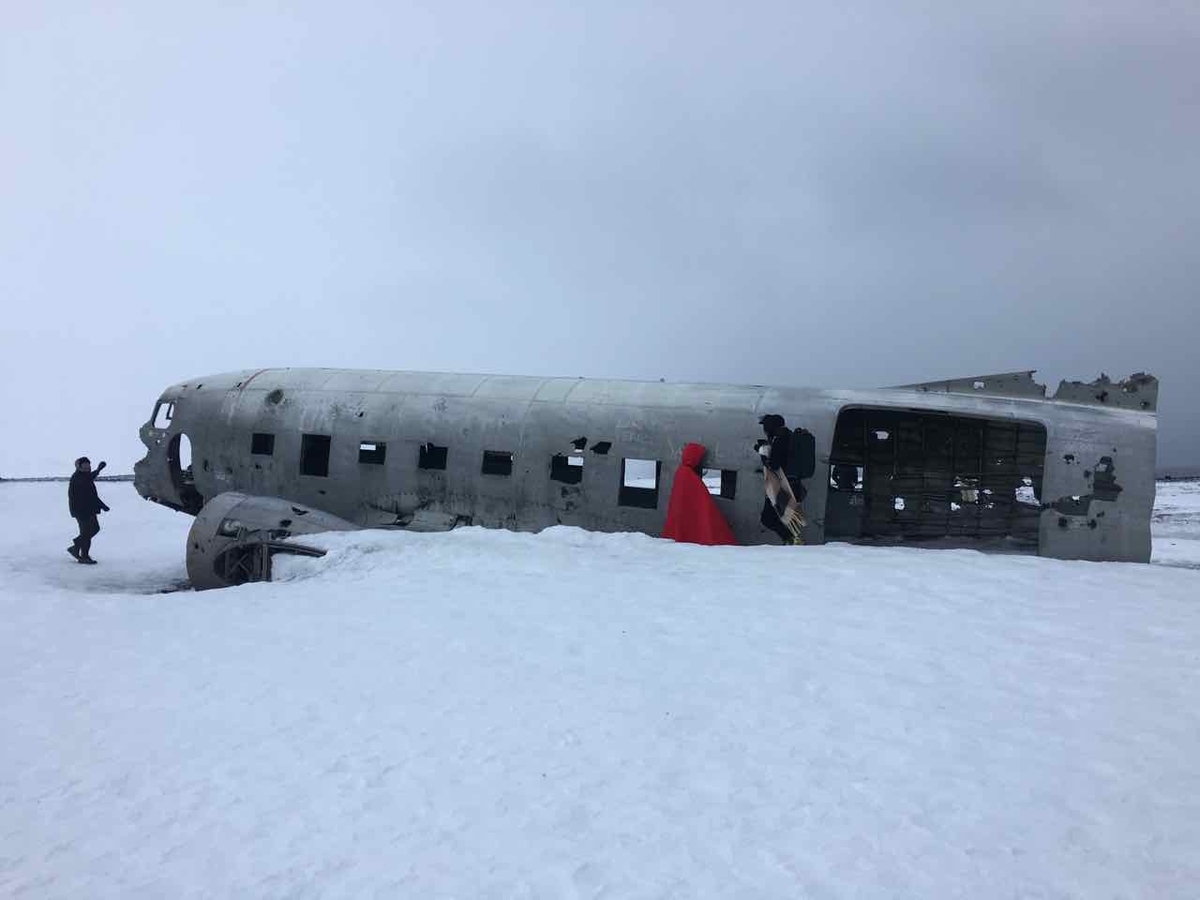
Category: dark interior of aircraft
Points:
column 901, row 475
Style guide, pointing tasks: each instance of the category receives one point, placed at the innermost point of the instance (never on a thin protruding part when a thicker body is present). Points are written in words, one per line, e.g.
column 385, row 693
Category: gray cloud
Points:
column 907, row 191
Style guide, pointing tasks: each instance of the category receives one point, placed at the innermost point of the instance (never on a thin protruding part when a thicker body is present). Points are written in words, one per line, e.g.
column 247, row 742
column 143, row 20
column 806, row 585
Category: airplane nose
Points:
column 164, row 475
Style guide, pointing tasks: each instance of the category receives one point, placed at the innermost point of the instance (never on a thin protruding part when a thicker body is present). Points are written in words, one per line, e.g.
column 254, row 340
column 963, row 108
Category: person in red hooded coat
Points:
column 692, row 514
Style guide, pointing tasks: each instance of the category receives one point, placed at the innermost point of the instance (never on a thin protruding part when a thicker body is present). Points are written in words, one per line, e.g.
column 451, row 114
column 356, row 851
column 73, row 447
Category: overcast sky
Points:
column 763, row 193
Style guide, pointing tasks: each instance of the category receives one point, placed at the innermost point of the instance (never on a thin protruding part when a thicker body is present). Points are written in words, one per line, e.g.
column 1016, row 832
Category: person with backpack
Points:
column 787, row 458
column 85, row 505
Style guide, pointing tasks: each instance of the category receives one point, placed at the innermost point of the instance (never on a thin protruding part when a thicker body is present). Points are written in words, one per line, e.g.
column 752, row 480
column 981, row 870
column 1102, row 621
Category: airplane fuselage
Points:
column 973, row 463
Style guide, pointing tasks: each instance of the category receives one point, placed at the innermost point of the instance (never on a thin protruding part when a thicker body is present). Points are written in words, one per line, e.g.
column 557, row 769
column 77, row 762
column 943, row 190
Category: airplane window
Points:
column 314, row 455
column 372, row 452
column 262, row 444
column 567, row 469
column 639, row 483
column 432, row 457
column 721, row 482
column 162, row 415
column 497, row 463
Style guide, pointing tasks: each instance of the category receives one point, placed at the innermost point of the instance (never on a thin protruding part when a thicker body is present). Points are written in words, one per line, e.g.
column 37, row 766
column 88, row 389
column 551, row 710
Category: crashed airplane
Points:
column 261, row 458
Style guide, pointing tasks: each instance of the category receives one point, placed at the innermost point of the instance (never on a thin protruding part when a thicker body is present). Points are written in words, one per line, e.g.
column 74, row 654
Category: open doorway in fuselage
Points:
column 902, row 475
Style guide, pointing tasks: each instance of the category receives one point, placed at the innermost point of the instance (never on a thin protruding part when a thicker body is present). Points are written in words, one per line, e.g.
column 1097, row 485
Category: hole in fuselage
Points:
column 911, row 475
column 179, row 462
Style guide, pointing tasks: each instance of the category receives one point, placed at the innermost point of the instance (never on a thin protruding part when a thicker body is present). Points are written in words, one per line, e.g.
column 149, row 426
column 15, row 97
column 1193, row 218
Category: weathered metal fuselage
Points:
column 404, row 449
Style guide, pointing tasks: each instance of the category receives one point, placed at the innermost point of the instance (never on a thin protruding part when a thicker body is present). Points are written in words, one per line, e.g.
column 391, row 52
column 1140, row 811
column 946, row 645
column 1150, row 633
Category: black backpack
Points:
column 802, row 454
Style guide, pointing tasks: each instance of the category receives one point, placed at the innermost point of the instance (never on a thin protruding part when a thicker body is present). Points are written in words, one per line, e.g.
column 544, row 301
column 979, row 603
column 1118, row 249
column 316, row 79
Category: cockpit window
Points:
column 163, row 414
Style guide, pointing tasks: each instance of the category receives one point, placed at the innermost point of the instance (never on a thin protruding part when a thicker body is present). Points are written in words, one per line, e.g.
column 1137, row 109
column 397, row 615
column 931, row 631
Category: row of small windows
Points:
column 639, row 477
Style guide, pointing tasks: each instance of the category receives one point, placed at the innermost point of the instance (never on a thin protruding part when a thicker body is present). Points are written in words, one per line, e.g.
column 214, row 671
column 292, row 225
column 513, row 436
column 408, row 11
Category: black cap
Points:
column 771, row 421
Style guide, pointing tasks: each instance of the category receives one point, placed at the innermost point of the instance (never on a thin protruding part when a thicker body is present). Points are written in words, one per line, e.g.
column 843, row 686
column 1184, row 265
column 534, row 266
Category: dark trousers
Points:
column 89, row 527
column 770, row 519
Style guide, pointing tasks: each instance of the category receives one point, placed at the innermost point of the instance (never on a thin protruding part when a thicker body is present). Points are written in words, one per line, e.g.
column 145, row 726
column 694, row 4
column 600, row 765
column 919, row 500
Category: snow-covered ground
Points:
column 485, row 714
column 1176, row 524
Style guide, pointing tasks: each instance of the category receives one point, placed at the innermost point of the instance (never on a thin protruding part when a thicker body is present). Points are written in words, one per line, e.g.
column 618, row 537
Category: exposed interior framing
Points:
column 910, row 475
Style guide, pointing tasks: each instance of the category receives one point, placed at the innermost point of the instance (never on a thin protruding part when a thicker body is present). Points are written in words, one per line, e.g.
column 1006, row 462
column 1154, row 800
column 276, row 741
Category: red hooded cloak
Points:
column 692, row 514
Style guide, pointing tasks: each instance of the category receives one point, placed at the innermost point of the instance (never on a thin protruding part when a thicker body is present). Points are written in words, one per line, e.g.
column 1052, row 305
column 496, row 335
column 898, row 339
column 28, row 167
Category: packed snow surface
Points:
column 1176, row 524
column 486, row 714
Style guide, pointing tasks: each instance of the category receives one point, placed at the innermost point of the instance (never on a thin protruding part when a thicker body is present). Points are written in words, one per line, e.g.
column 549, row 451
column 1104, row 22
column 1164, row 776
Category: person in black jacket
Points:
column 775, row 451
column 86, row 507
